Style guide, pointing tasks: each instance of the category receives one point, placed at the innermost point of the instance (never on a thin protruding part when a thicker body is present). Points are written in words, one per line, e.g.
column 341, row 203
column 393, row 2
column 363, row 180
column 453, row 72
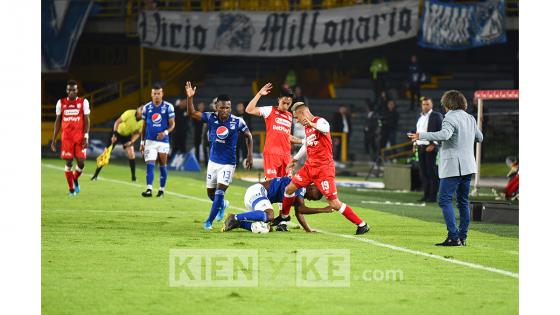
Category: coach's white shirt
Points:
column 422, row 126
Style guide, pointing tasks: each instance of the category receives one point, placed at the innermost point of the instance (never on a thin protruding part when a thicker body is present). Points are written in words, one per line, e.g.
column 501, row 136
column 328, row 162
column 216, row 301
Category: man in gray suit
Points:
column 457, row 163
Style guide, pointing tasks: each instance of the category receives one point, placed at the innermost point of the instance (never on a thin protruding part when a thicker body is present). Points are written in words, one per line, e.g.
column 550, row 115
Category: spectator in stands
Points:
column 200, row 138
column 379, row 67
column 241, row 149
column 179, row 139
column 291, row 80
column 298, row 95
column 371, row 126
column 457, row 163
column 415, row 77
column 389, row 124
column 381, row 103
column 428, row 121
column 342, row 122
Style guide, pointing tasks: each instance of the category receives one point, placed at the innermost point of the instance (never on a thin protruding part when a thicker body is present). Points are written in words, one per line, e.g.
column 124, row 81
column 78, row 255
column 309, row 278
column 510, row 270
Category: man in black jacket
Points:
column 371, row 134
column 389, row 125
column 341, row 123
column 428, row 121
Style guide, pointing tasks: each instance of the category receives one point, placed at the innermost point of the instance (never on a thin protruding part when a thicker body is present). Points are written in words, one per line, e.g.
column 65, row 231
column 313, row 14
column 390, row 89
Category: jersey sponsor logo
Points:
column 73, row 119
column 71, row 112
column 156, row 118
column 283, row 122
column 222, row 132
column 281, row 128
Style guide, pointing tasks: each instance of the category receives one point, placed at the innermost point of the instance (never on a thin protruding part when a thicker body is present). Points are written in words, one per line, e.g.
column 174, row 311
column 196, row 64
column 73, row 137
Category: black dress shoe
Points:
column 449, row 242
column 463, row 242
column 421, row 199
column 431, row 200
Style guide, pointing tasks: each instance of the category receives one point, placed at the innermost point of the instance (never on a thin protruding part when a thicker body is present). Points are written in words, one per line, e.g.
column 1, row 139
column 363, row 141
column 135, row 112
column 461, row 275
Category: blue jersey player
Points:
column 159, row 121
column 223, row 130
column 260, row 197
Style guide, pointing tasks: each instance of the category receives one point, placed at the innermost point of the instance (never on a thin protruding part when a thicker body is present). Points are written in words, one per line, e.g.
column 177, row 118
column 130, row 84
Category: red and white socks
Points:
column 69, row 177
column 350, row 215
column 287, row 202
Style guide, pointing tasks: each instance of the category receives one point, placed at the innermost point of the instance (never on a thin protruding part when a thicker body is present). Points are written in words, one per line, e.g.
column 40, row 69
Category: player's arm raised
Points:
column 191, row 112
column 252, row 106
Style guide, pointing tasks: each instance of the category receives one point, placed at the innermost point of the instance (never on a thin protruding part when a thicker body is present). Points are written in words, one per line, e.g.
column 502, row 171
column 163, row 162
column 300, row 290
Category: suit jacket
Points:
column 338, row 125
column 458, row 134
column 434, row 122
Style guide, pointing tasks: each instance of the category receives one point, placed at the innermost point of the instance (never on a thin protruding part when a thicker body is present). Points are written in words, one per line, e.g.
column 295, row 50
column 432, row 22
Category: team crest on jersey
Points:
column 232, row 125
column 79, row 105
column 156, row 118
column 222, row 132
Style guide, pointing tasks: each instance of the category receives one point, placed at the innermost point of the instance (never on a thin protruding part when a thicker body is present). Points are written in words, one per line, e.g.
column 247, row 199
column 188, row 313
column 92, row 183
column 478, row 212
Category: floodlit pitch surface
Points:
column 107, row 251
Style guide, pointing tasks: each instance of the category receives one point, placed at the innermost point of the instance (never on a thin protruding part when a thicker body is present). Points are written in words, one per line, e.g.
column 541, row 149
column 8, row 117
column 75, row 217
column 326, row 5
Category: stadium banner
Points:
column 62, row 23
column 460, row 26
column 279, row 34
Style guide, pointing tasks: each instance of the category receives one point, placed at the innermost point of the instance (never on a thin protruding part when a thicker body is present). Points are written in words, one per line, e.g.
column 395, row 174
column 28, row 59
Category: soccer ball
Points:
column 259, row 227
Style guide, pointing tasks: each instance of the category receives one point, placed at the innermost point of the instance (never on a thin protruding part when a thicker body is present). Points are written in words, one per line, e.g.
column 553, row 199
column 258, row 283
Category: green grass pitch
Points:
column 106, row 251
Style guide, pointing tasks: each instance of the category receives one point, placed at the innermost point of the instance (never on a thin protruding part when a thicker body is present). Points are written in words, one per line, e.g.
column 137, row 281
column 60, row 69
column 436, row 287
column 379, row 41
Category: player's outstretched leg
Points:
column 150, row 166
column 350, row 215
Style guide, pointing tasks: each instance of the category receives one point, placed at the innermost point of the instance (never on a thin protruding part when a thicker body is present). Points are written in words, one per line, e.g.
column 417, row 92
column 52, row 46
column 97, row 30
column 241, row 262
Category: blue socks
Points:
column 217, row 204
column 150, row 174
column 252, row 216
column 162, row 176
column 245, row 225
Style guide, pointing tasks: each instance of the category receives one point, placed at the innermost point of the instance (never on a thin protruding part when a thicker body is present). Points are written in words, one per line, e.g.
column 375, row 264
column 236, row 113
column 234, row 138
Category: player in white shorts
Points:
column 259, row 198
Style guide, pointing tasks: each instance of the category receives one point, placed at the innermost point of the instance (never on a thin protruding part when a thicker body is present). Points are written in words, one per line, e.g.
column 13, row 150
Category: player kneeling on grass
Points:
column 259, row 199
column 318, row 168
column 223, row 130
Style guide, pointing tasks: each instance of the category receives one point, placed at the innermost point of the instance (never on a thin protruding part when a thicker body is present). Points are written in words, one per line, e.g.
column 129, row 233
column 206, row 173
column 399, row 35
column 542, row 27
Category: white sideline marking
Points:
column 419, row 253
column 394, row 203
column 361, row 239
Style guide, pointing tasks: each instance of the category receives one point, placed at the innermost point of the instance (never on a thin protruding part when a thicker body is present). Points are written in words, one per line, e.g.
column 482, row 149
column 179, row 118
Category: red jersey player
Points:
column 72, row 114
column 318, row 168
column 278, row 120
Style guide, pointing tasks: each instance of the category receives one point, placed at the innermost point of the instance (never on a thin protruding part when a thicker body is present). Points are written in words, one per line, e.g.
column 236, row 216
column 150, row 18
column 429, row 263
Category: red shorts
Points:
column 322, row 177
column 72, row 148
column 275, row 165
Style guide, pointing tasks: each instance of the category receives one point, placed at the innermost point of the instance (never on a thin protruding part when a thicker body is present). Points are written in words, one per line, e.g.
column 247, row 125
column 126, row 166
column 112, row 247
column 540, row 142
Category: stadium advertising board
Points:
column 277, row 34
column 462, row 26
